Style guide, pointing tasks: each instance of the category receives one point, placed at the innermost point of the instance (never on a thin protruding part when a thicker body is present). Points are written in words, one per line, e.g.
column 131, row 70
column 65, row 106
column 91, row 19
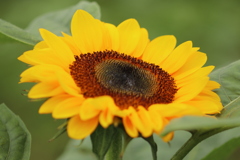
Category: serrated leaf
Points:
column 9, row 31
column 101, row 140
column 224, row 152
column 229, row 78
column 15, row 140
column 59, row 21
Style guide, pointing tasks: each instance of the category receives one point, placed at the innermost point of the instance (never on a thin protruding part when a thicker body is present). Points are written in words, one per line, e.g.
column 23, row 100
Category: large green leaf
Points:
column 15, row 140
column 229, row 78
column 59, row 21
column 200, row 123
column 225, row 151
column 9, row 31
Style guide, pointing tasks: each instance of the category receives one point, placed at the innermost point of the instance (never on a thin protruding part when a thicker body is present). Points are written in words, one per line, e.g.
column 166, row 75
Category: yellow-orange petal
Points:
column 194, row 62
column 177, row 58
column 143, row 41
column 58, row 46
column 191, row 90
column 68, row 108
column 87, row 32
column 67, row 83
column 206, row 106
column 106, row 117
column 156, row 121
column 130, row 127
column 41, row 45
column 202, row 72
column 112, row 37
column 92, row 107
column 71, row 43
column 168, row 137
column 40, row 73
column 39, row 57
column 129, row 35
column 146, row 128
column 80, row 129
column 45, row 89
column 158, row 49
column 51, row 103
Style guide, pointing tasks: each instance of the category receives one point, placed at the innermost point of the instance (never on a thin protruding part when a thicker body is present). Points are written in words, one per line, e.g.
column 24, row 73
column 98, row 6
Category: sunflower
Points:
column 106, row 75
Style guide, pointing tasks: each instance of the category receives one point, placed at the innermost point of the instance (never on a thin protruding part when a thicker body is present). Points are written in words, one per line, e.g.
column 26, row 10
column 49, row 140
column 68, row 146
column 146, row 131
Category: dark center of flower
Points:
column 124, row 77
column 128, row 80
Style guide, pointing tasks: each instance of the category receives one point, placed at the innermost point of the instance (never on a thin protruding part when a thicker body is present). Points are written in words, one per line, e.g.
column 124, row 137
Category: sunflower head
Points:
column 104, row 74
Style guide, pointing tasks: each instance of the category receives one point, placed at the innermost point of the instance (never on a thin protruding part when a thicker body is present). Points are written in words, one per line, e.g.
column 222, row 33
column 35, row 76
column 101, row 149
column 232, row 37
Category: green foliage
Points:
column 115, row 150
column 15, row 140
column 224, row 152
column 101, row 140
column 8, row 32
column 59, row 21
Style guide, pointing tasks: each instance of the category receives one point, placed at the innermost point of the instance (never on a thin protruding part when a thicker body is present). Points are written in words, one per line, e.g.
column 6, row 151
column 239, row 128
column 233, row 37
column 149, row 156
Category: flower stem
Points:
column 196, row 138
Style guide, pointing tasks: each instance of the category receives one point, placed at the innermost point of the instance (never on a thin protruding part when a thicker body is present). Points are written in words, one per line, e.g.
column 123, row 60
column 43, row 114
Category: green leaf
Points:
column 200, row 123
column 115, row 150
column 9, row 31
column 59, row 21
column 15, row 140
column 224, row 152
column 229, row 78
column 101, row 140
column 153, row 145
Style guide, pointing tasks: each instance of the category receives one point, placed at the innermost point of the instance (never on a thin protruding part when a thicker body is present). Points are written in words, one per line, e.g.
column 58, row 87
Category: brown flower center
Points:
column 128, row 80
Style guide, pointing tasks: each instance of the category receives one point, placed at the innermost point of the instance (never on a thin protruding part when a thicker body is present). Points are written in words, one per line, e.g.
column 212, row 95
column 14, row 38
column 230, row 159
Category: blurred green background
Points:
column 212, row 25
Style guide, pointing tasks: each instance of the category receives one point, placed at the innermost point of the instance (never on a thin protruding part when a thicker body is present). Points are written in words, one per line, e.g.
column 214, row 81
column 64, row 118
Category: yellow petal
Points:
column 79, row 129
column 206, row 106
column 41, row 45
column 177, row 58
column 175, row 110
column 146, row 128
column 68, row 108
column 211, row 85
column 39, row 57
column 92, row 107
column 45, row 89
column 60, row 48
column 40, row 73
column 194, row 62
column 71, row 43
column 129, row 35
column 130, row 127
column 106, row 118
column 51, row 103
column 141, row 44
column 168, row 137
column 159, row 48
column 67, row 83
column 112, row 37
column 87, row 32
column 202, row 72
column 156, row 121
column 190, row 90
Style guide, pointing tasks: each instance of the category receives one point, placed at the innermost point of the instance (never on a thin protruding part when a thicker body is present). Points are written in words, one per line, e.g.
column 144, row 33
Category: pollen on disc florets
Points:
column 129, row 81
